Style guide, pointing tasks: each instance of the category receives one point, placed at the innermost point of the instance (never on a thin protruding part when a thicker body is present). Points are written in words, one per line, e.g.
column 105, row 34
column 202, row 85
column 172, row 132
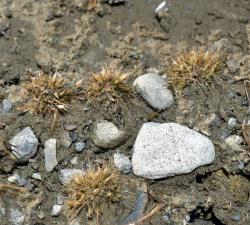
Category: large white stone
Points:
column 168, row 149
column 24, row 144
column 153, row 88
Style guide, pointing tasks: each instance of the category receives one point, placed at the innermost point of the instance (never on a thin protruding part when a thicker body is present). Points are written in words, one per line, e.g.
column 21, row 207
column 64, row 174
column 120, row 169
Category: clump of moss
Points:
column 46, row 94
column 109, row 90
column 195, row 67
column 92, row 191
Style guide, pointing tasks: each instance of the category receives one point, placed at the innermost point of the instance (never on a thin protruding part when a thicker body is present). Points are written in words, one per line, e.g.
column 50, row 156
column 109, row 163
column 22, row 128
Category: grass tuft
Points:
column 109, row 90
column 45, row 94
column 195, row 67
column 92, row 191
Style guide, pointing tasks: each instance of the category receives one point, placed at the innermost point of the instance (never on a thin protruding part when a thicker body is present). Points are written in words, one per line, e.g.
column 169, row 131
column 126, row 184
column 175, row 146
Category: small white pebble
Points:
column 37, row 176
column 232, row 123
column 56, row 210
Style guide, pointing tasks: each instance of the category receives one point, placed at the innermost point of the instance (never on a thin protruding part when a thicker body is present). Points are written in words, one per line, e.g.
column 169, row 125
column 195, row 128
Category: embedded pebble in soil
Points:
column 24, row 144
column 221, row 45
column 107, row 135
column 50, row 154
column 17, row 217
column 65, row 139
column 56, row 210
column 6, row 106
column 66, row 175
column 37, row 176
column 153, row 88
column 168, row 149
column 232, row 123
column 79, row 146
column 122, row 163
column 74, row 160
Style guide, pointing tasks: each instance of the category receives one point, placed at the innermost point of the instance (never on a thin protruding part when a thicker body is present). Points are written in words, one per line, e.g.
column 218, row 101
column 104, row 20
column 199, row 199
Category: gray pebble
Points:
column 73, row 135
column 24, row 144
column 60, row 199
column 41, row 215
column 22, row 181
column 122, row 163
column 66, row 175
column 6, row 106
column 241, row 165
column 17, row 217
column 232, row 123
column 107, row 135
column 79, row 146
column 74, row 160
column 236, row 217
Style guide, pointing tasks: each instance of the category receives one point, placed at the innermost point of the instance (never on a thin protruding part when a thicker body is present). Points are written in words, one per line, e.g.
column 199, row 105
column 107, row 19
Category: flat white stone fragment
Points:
column 50, row 154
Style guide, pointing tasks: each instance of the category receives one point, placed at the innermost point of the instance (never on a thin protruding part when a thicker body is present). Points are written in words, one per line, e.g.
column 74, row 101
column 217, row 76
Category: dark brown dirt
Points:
column 63, row 36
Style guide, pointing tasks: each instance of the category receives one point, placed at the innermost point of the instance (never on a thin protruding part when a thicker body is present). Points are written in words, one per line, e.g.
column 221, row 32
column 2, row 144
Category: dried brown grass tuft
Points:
column 195, row 67
column 92, row 191
column 46, row 94
column 109, row 90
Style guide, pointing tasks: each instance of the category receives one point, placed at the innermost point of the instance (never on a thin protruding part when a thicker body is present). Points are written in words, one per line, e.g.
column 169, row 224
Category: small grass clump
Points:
column 109, row 90
column 195, row 67
column 45, row 94
column 92, row 191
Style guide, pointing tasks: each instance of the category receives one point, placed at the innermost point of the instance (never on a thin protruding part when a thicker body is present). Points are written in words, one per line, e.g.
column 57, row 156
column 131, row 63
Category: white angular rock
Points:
column 66, row 175
column 153, row 88
column 234, row 142
column 24, row 144
column 168, row 149
column 50, row 154
column 37, row 176
column 122, row 162
column 56, row 210
column 232, row 123
column 107, row 135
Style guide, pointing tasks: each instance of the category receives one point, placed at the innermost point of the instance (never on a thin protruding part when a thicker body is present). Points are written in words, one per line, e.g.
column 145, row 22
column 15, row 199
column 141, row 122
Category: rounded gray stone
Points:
column 107, row 135
column 153, row 89
column 24, row 144
column 168, row 149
